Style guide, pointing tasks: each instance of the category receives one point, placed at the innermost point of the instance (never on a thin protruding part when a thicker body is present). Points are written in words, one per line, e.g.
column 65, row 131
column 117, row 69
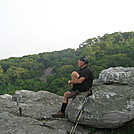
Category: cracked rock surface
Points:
column 36, row 111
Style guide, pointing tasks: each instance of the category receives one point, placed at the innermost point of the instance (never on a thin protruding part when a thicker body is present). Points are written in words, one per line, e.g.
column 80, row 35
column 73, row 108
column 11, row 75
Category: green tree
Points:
column 15, row 73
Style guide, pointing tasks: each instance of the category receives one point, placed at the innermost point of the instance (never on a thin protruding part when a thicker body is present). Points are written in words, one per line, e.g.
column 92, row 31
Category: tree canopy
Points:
column 110, row 50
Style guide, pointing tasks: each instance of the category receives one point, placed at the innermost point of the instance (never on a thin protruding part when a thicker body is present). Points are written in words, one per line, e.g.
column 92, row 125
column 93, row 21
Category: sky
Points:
column 35, row 26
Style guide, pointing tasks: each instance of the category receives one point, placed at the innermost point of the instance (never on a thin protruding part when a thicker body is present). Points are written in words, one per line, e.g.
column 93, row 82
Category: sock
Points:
column 63, row 107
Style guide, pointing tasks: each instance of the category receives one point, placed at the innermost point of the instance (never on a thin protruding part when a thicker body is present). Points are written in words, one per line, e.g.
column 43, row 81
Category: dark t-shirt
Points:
column 87, row 83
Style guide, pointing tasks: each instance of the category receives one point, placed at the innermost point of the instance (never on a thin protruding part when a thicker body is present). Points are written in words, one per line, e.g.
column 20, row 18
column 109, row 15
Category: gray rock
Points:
column 117, row 75
column 97, row 82
column 38, row 104
column 110, row 106
column 47, row 72
column 37, row 108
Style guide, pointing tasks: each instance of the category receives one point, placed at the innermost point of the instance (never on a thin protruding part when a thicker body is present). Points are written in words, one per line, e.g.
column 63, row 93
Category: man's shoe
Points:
column 59, row 115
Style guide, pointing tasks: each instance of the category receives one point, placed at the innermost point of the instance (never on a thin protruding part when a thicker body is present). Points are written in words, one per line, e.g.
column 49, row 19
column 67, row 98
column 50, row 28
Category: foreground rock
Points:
column 36, row 110
column 110, row 106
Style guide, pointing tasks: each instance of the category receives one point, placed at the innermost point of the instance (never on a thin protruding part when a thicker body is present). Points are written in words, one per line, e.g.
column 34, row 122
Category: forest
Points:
column 29, row 72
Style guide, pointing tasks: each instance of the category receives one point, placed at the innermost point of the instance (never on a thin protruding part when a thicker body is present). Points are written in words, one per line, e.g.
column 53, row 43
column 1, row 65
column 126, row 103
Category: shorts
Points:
column 81, row 90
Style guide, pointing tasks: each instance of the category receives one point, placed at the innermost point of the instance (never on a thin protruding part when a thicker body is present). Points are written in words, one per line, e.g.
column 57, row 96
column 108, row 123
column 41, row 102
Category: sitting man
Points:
column 81, row 81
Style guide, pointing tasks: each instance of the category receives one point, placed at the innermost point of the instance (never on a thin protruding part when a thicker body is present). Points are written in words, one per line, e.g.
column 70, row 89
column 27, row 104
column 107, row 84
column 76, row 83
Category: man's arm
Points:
column 77, row 81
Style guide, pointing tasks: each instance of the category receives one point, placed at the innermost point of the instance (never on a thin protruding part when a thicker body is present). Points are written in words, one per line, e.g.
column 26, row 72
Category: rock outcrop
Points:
column 117, row 75
column 111, row 105
column 47, row 72
column 36, row 109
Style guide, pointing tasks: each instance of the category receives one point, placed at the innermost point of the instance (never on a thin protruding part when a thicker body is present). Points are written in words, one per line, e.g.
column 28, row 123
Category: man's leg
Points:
column 74, row 76
column 61, row 113
column 65, row 97
column 67, row 94
column 65, row 101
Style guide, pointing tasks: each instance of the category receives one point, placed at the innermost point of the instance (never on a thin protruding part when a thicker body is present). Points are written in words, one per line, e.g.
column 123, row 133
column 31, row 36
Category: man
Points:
column 81, row 81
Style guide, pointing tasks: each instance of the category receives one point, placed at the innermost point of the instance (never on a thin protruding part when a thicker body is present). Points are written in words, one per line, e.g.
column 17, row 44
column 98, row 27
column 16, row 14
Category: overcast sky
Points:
column 36, row 26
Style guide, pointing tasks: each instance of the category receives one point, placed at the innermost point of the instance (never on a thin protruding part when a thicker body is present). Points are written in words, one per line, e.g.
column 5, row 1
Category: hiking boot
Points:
column 59, row 115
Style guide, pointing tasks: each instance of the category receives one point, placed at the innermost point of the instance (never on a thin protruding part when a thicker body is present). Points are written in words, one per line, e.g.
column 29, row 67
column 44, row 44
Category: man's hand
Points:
column 70, row 84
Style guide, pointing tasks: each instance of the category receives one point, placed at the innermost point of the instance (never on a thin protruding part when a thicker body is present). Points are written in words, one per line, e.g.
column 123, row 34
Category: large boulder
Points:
column 110, row 106
column 117, row 75
column 36, row 110
column 112, row 103
column 37, row 104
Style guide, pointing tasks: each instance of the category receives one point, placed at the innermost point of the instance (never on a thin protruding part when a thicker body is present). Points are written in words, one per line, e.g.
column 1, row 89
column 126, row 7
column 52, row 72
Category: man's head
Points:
column 83, row 61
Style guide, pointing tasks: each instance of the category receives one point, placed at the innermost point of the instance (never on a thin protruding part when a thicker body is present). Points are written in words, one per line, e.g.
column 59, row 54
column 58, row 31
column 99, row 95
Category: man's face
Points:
column 80, row 63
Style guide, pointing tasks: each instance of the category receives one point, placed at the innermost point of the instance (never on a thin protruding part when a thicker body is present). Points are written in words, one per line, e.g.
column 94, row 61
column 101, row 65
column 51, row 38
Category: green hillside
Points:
column 27, row 72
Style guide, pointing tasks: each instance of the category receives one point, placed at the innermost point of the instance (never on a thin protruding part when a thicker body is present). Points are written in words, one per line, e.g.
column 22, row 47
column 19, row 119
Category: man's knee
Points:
column 66, row 94
column 75, row 74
